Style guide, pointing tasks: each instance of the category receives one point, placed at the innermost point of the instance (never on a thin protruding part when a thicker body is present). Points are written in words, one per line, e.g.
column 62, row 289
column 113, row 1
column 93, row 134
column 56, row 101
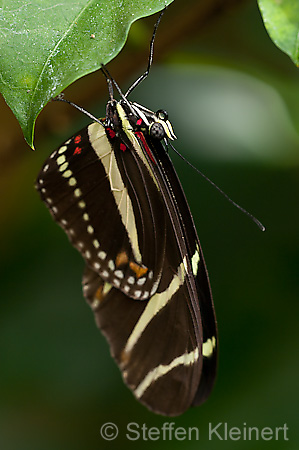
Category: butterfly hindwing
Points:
column 149, row 340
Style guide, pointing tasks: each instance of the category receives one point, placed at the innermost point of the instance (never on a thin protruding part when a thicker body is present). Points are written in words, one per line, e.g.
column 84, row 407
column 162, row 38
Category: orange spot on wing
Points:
column 124, row 359
column 139, row 271
column 121, row 258
column 99, row 293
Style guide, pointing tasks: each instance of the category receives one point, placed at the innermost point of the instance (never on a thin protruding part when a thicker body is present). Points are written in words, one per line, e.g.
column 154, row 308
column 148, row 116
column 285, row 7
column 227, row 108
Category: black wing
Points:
column 122, row 206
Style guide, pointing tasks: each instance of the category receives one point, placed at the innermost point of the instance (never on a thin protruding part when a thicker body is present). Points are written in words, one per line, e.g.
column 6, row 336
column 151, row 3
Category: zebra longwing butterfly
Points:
column 113, row 189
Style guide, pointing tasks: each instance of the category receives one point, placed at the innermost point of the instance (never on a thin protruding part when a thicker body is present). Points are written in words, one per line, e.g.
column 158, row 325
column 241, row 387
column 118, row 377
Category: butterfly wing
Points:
column 121, row 204
column 82, row 186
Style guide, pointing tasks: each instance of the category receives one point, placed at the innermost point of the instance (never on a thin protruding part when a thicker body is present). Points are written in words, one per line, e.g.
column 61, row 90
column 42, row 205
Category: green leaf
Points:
column 281, row 19
column 45, row 46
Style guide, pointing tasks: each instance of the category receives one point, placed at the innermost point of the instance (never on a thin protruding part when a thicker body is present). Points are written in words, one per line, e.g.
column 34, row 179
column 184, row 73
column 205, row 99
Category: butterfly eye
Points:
column 157, row 131
column 162, row 114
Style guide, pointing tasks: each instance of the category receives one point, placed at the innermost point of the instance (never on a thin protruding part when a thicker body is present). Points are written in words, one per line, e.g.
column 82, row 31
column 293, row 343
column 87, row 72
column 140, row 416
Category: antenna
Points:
column 254, row 219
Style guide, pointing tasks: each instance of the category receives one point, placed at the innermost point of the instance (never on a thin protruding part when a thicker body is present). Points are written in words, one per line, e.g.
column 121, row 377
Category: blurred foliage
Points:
column 232, row 98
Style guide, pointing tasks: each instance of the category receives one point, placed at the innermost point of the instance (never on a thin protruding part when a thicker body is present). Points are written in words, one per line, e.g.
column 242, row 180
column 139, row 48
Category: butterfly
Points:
column 113, row 189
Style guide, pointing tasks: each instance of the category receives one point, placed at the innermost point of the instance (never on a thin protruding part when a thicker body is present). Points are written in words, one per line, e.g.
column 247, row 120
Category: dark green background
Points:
column 233, row 100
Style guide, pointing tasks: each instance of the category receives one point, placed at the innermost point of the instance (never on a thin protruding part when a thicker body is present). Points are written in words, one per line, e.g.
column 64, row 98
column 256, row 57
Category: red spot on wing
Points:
column 77, row 151
column 77, row 139
column 111, row 133
column 140, row 135
column 139, row 122
column 122, row 147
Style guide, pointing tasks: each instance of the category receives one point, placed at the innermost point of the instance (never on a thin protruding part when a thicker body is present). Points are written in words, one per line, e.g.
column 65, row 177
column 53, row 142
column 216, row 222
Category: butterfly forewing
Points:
column 83, row 187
